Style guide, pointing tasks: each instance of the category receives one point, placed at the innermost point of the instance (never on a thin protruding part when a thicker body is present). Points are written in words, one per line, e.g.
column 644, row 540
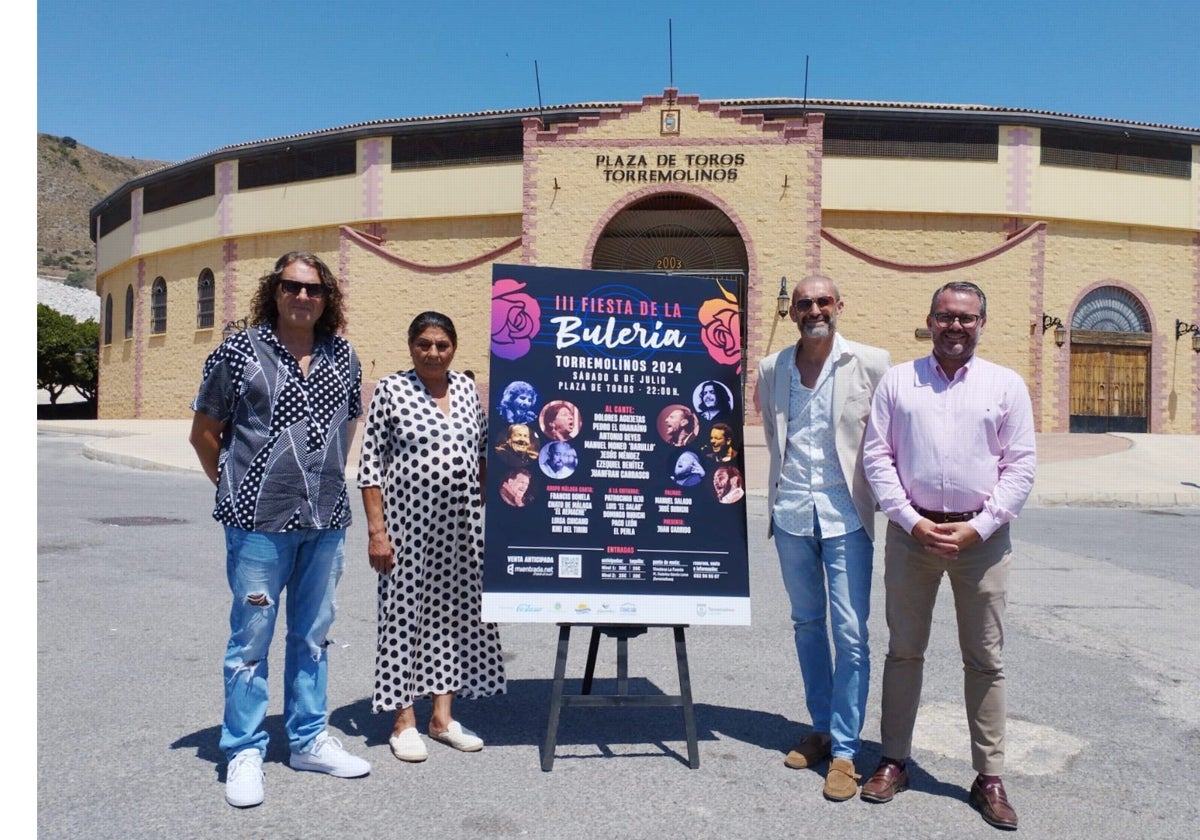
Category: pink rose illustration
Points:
column 721, row 331
column 516, row 318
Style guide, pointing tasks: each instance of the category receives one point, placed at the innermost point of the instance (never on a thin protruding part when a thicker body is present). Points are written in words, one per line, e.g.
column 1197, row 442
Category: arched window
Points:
column 128, row 313
column 205, row 296
column 1110, row 309
column 158, row 306
column 108, row 319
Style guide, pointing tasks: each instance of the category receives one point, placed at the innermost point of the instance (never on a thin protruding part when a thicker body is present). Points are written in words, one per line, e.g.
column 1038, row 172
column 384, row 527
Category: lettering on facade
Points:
column 670, row 167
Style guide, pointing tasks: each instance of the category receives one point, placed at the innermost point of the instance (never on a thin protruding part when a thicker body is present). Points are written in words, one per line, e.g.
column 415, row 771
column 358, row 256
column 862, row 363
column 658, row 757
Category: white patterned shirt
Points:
column 811, row 480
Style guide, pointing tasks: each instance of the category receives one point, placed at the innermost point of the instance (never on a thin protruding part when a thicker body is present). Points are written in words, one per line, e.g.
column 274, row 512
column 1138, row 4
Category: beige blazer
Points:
column 855, row 376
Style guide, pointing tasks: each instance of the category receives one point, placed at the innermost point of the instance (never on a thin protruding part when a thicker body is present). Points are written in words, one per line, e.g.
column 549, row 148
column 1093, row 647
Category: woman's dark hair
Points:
column 432, row 319
column 264, row 310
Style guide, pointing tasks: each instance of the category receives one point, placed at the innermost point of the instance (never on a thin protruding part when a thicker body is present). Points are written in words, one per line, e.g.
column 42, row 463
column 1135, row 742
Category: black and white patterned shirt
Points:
column 283, row 452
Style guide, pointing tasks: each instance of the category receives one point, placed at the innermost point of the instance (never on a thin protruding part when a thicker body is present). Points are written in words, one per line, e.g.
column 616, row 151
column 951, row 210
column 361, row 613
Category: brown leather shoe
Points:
column 808, row 753
column 989, row 799
column 841, row 782
column 889, row 778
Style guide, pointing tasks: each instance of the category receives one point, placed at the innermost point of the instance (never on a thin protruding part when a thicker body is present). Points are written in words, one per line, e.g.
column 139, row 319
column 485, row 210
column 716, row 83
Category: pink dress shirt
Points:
column 958, row 444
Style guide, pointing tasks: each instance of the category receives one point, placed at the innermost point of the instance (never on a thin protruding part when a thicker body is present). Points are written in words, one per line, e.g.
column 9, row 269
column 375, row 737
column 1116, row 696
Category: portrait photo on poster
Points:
column 713, row 401
column 518, row 403
column 677, row 425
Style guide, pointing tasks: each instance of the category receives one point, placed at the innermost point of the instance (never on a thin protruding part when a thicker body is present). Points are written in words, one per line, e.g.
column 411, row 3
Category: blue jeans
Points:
column 259, row 565
column 835, row 688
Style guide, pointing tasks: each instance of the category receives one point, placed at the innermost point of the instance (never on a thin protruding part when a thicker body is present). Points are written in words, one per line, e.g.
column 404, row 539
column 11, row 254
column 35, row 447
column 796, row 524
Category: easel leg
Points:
column 590, row 670
column 685, row 694
column 556, row 694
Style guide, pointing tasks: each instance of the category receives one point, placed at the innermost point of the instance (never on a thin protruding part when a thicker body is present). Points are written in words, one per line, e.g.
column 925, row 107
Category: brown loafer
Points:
column 989, row 799
column 889, row 778
column 841, row 782
column 810, row 752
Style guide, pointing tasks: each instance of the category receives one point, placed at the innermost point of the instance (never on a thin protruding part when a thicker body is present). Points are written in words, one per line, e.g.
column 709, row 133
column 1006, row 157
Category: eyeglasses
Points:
column 822, row 302
column 945, row 319
column 295, row 287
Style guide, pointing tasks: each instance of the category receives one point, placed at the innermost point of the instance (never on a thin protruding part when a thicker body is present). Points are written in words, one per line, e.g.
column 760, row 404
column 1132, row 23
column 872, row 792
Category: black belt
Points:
column 942, row 517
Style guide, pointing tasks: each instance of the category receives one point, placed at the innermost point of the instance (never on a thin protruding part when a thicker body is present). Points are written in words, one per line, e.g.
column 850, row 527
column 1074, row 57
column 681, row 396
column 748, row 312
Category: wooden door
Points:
column 1110, row 388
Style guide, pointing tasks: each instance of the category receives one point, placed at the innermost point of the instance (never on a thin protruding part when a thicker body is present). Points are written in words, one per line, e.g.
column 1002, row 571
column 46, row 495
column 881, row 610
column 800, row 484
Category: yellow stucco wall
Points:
column 557, row 202
column 383, row 298
column 930, row 186
column 884, row 306
column 453, row 191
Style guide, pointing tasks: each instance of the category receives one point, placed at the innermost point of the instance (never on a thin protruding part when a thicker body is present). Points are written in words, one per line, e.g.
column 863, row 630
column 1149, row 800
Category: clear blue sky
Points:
column 170, row 80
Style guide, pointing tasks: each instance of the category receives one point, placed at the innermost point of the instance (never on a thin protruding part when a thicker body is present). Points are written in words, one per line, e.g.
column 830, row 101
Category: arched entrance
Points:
column 1110, row 363
column 676, row 233
column 671, row 232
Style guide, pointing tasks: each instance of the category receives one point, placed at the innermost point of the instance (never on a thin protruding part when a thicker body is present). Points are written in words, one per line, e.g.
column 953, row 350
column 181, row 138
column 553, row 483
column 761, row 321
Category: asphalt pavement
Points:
column 1102, row 661
column 1105, row 470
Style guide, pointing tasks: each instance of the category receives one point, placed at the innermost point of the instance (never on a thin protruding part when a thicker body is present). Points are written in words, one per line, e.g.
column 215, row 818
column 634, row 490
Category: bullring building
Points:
column 1084, row 232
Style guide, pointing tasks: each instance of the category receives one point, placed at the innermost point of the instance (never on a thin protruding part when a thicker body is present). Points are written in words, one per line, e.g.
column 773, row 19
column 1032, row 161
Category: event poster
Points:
column 616, row 478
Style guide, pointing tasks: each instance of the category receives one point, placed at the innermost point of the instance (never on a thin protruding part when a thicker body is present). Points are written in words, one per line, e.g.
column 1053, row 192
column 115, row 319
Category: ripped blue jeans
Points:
column 259, row 565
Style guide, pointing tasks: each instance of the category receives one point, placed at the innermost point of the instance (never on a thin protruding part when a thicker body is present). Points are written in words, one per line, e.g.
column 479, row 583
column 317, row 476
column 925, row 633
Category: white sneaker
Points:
column 326, row 755
column 408, row 746
column 244, row 779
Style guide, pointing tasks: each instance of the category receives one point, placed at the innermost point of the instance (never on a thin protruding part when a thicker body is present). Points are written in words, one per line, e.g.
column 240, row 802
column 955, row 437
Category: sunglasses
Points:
column 822, row 302
column 295, row 287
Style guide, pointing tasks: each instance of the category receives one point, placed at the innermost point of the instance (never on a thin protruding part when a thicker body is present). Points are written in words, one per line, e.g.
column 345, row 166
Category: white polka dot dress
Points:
column 431, row 639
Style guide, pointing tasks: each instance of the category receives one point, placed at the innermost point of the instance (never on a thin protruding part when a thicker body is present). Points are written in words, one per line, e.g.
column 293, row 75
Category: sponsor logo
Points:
column 528, row 608
column 628, row 608
column 582, row 608
column 510, row 570
column 701, row 610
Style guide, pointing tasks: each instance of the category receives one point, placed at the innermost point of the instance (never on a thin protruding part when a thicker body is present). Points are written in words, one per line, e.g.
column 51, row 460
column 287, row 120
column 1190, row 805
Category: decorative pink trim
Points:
column 1020, row 169
column 135, row 217
column 1158, row 353
column 139, row 337
column 372, row 178
column 1037, row 340
column 815, row 185
column 229, row 278
column 343, row 279
column 784, row 131
column 225, row 193
column 1011, row 243
column 781, row 138
column 531, row 126
column 1195, row 317
column 372, row 244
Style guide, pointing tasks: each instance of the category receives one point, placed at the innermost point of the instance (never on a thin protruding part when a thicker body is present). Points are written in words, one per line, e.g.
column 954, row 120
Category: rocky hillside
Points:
column 72, row 178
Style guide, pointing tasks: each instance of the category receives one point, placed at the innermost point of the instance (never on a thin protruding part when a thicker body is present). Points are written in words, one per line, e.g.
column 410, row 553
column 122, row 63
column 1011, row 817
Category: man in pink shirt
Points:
column 950, row 453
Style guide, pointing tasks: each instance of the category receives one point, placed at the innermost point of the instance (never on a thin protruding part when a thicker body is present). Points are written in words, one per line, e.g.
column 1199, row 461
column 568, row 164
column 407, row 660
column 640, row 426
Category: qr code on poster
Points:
column 570, row 565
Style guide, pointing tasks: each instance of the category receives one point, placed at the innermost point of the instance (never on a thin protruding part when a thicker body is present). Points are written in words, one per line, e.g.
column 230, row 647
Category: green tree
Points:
column 67, row 354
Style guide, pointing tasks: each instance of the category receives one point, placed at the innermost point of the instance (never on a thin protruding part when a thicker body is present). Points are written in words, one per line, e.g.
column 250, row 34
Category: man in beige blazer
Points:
column 814, row 398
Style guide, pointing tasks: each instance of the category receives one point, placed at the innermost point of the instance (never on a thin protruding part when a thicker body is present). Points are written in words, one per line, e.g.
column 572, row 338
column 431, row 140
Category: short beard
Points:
column 819, row 329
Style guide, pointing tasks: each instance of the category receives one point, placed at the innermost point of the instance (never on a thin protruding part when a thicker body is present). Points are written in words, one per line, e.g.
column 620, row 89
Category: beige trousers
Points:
column 979, row 581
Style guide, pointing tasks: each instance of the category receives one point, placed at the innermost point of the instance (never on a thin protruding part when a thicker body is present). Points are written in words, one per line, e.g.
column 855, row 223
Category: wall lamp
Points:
column 234, row 326
column 1182, row 328
column 784, row 301
column 1060, row 332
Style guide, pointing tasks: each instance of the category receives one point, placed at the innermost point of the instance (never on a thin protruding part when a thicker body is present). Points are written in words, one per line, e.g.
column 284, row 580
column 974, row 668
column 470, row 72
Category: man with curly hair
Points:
column 273, row 422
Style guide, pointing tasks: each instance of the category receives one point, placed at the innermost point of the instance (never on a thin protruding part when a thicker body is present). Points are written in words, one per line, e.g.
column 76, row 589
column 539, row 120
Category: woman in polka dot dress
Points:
column 421, row 474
